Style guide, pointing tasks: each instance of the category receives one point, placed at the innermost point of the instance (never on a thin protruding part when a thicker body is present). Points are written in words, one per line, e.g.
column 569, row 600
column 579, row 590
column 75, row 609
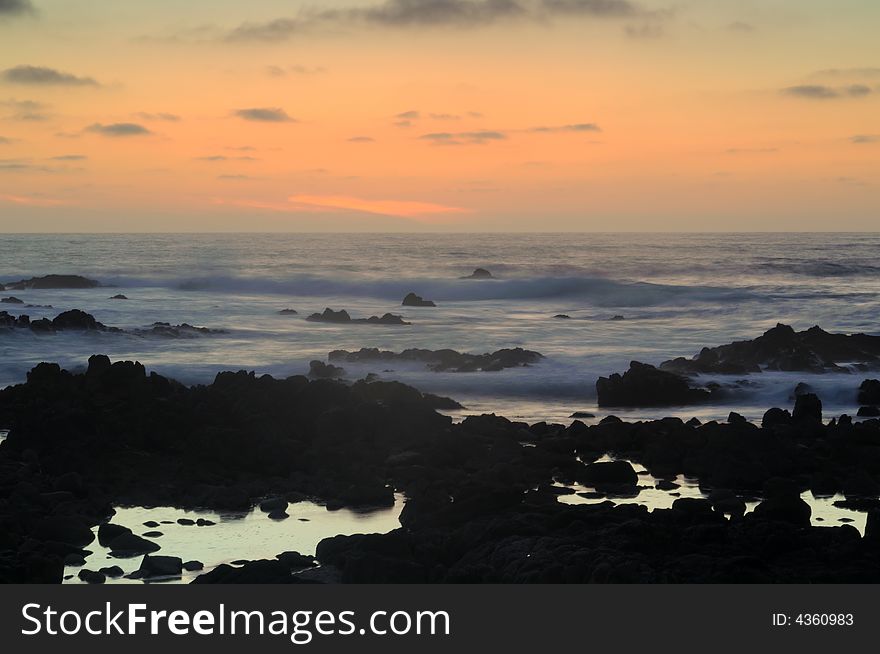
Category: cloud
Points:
column 741, row 27
column 5, row 141
column 591, row 7
column 169, row 118
column 236, row 177
column 27, row 110
column 436, row 13
column 70, row 157
column 822, row 92
column 361, row 139
column 284, row 71
column 16, row 8
column 118, row 129
column 409, row 115
column 42, row 76
column 464, row 138
column 861, row 139
column 264, row 115
column 848, row 72
column 751, row 150
column 223, row 157
column 576, row 127
column 399, row 208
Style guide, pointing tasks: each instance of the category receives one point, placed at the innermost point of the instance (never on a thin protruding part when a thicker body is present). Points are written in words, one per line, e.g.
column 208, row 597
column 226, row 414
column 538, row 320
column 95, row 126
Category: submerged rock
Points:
column 413, row 300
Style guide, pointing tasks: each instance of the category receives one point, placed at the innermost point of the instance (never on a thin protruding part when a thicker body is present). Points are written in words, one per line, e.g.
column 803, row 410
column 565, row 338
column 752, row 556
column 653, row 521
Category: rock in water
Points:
column 329, row 315
column 869, row 392
column 161, row 566
column 52, row 281
column 479, row 273
column 645, row 385
column 413, row 300
column 11, row 300
column 289, row 312
column 321, row 370
column 120, row 296
column 129, row 544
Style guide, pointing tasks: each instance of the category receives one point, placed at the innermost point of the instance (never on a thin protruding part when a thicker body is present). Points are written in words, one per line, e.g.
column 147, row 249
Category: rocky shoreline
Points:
column 481, row 495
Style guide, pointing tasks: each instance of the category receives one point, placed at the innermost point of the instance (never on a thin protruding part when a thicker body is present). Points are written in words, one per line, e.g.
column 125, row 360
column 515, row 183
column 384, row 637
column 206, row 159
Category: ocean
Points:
column 676, row 292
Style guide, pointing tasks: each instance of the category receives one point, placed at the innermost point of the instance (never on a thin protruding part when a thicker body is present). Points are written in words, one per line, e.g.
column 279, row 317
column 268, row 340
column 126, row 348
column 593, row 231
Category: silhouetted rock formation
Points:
column 869, row 392
column 413, row 300
column 321, row 370
column 645, row 385
column 119, row 296
column 342, row 317
column 184, row 330
column 444, row 360
column 12, row 300
column 782, row 348
column 479, row 273
column 50, row 281
column 288, row 312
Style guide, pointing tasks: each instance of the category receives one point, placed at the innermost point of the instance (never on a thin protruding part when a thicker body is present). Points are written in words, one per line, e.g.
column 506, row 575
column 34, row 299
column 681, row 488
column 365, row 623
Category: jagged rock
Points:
column 413, row 300
column 289, row 312
column 11, row 300
column 781, row 348
column 645, row 385
column 321, row 370
column 807, row 407
column 342, row 317
column 479, row 273
column 869, row 392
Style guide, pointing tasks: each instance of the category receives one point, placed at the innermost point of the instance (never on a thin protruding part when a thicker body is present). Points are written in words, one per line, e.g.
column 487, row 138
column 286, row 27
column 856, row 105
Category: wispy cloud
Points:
column 118, row 129
column 264, row 115
column 361, row 139
column 223, row 157
column 576, row 127
column 861, row 139
column 464, row 138
column 70, row 157
column 823, row 92
column 399, row 208
column 402, row 14
column 43, row 76
column 163, row 116
column 297, row 69
column 16, row 8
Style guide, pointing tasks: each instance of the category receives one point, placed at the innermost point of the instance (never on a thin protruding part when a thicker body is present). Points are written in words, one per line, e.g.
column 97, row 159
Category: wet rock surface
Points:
column 413, row 300
column 443, row 360
column 481, row 502
column 343, row 317
column 782, row 348
column 645, row 385
column 51, row 282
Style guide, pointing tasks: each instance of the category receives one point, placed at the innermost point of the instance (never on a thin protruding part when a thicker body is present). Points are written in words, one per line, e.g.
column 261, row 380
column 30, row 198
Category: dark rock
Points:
column 413, row 300
column 74, row 560
column 186, row 522
column 444, row 360
column 582, row 414
column 193, row 566
column 113, row 571
column 279, row 515
column 153, row 534
column 252, row 572
column 152, row 524
column 119, row 296
column 91, row 577
column 11, row 300
column 666, row 485
column 609, row 473
column 479, row 273
column 161, row 566
column 321, row 370
column 781, row 348
column 869, row 392
column 71, row 530
column 562, row 316
column 618, row 317
column 645, row 385
column 273, row 504
column 736, row 419
column 76, row 320
column 289, row 312
column 807, row 407
column 295, row 560
column 128, row 545
column 869, row 412
column 183, row 330
column 342, row 317
column 108, row 532
column 775, row 416
column 441, row 403
column 52, row 281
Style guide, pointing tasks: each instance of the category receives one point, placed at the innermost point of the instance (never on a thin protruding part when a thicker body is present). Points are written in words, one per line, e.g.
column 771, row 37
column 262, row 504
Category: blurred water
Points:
column 677, row 292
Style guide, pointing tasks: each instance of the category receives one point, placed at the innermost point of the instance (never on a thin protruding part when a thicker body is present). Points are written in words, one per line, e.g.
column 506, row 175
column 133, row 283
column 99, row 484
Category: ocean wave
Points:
column 598, row 291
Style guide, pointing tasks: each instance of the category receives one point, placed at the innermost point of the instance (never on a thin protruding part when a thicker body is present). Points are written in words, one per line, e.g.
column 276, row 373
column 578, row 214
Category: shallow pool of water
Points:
column 236, row 536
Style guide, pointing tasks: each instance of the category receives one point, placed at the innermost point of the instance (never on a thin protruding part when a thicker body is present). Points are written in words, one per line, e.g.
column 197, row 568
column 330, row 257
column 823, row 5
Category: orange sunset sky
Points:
column 460, row 115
